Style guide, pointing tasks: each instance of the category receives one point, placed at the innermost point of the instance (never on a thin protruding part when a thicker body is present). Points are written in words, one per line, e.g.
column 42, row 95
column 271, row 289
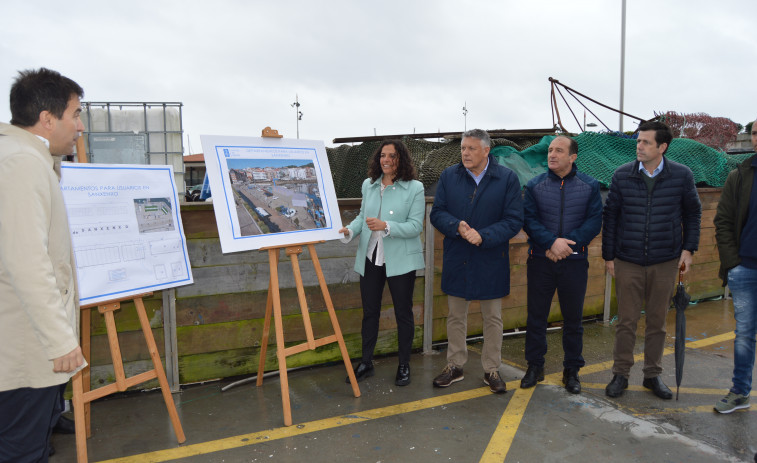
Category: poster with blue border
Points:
column 270, row 191
column 126, row 229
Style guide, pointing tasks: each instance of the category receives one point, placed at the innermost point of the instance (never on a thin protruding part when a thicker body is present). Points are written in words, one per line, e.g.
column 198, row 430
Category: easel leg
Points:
column 86, row 350
column 159, row 371
column 334, row 320
column 280, row 354
column 115, row 349
column 266, row 332
column 79, row 421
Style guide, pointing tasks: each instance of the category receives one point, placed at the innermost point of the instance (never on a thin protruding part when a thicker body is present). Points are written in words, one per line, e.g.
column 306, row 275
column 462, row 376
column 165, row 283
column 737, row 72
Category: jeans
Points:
column 742, row 282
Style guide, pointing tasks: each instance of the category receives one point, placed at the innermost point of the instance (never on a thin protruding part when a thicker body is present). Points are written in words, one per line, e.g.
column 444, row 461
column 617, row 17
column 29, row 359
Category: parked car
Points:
column 193, row 193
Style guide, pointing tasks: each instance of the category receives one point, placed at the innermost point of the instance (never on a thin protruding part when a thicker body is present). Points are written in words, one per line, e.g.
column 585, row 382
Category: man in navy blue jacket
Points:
column 478, row 208
column 650, row 230
column 563, row 213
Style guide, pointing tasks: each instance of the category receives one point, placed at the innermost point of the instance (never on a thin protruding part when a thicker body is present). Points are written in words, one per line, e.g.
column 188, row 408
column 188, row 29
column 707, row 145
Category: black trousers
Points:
column 401, row 289
column 569, row 278
column 27, row 417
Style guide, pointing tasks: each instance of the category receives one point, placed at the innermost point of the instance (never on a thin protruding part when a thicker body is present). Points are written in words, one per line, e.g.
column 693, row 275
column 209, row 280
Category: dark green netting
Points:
column 349, row 164
column 598, row 155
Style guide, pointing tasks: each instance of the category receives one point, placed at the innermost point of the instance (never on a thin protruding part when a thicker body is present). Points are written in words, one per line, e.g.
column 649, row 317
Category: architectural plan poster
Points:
column 125, row 228
column 270, row 191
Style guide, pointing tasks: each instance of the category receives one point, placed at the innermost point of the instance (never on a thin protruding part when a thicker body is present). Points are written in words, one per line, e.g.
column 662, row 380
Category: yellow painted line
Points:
column 499, row 444
column 503, row 436
column 508, row 425
column 730, row 336
column 300, row 429
column 687, row 390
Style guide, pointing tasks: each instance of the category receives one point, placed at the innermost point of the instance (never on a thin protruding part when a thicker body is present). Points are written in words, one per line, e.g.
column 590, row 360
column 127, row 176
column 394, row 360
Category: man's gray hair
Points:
column 483, row 137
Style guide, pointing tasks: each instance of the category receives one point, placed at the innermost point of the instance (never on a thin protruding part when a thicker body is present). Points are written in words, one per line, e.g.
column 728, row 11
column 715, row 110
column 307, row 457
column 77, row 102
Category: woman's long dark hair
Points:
column 405, row 168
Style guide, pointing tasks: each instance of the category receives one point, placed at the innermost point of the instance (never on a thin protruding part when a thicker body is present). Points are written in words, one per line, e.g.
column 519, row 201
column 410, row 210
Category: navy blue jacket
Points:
column 569, row 207
column 647, row 228
column 494, row 208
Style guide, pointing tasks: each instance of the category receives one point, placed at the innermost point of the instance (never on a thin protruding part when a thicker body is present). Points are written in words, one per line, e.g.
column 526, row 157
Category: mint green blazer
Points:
column 403, row 208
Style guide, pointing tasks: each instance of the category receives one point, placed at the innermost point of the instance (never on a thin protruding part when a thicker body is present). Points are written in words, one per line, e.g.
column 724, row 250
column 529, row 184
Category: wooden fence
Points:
column 219, row 318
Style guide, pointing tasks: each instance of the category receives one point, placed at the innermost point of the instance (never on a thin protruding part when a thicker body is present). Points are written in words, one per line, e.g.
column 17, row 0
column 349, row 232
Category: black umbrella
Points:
column 680, row 301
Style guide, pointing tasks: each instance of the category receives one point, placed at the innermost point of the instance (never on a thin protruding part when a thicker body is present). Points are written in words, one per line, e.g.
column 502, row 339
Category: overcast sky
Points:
column 389, row 66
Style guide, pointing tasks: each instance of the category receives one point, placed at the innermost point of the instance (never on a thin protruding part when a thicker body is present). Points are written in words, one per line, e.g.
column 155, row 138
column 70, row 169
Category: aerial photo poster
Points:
column 126, row 229
column 270, row 191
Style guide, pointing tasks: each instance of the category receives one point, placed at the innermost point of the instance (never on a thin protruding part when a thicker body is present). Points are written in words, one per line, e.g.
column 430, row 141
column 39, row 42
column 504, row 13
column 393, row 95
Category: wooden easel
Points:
column 82, row 395
column 273, row 304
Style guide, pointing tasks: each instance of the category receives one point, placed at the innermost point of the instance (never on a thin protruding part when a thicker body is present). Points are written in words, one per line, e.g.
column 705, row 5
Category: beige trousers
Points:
column 457, row 330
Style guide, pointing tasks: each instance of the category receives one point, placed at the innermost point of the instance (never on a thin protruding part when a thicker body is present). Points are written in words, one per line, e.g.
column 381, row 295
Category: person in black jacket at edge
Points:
column 651, row 229
column 562, row 209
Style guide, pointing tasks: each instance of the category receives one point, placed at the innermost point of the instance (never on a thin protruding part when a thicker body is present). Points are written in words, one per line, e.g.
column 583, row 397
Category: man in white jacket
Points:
column 39, row 309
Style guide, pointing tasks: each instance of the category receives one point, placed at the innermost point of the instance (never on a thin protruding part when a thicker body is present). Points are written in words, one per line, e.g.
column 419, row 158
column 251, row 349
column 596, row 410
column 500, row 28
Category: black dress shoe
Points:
column 570, row 380
column 533, row 375
column 64, row 426
column 617, row 386
column 403, row 375
column 658, row 387
column 362, row 371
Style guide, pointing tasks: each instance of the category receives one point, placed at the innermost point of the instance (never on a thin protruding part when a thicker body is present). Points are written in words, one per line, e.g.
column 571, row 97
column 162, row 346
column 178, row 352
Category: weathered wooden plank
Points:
column 236, row 278
column 132, row 343
column 199, row 221
column 239, row 306
column 704, row 289
column 517, row 297
column 243, row 333
column 126, row 317
column 244, row 361
column 102, row 375
column 707, row 218
column 231, row 289
column 702, row 271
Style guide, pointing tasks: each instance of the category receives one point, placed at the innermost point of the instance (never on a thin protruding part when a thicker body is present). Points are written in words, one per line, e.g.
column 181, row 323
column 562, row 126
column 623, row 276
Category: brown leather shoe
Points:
column 495, row 383
column 450, row 374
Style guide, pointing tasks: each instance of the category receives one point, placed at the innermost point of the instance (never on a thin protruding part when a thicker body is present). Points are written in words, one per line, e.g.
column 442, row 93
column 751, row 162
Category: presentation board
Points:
column 126, row 229
column 270, row 191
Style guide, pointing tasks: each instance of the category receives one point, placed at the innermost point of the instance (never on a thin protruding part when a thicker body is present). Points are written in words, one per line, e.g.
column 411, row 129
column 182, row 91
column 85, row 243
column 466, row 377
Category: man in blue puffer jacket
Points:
column 651, row 229
column 563, row 212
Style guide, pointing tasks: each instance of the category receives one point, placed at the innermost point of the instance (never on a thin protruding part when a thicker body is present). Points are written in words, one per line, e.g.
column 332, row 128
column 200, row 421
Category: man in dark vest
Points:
column 651, row 229
column 562, row 212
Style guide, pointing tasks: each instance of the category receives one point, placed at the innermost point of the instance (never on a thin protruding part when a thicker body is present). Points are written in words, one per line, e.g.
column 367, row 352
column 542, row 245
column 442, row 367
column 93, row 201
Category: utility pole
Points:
column 622, row 60
column 298, row 113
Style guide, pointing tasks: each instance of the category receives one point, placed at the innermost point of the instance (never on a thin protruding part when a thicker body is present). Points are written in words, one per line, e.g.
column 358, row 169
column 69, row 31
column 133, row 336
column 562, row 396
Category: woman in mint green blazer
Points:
column 389, row 225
